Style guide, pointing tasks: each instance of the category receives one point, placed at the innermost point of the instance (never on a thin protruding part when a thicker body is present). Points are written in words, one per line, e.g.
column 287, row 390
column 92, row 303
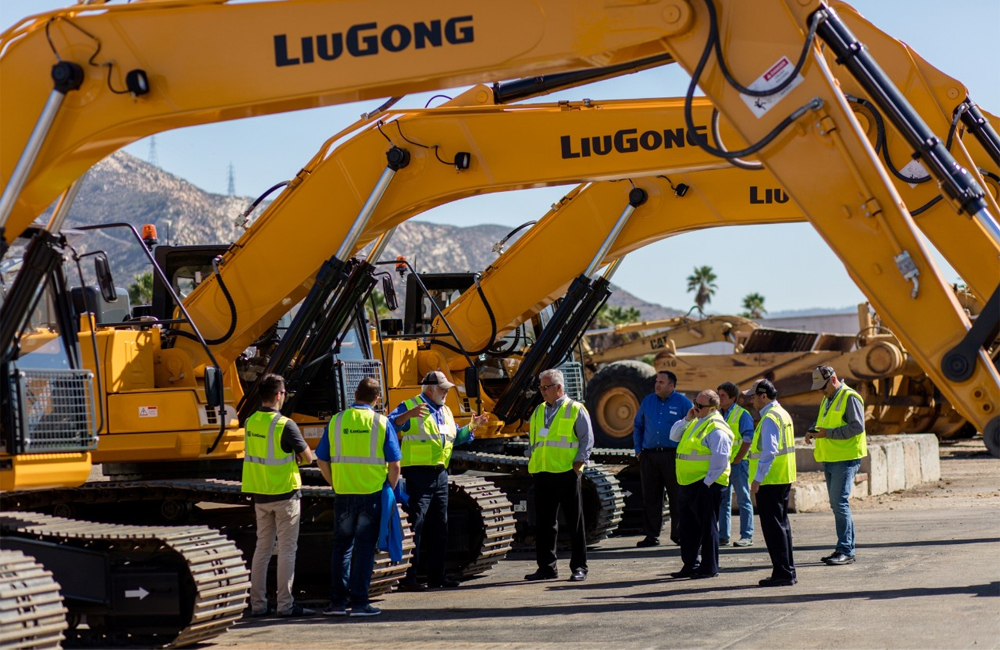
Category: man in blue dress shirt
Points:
column 657, row 455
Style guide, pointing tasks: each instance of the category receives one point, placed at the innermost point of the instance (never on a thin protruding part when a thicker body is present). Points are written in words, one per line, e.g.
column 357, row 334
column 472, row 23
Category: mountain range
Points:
column 125, row 189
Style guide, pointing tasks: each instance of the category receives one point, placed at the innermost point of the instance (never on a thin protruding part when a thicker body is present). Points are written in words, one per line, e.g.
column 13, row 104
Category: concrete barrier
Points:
column 878, row 472
column 893, row 463
column 930, row 458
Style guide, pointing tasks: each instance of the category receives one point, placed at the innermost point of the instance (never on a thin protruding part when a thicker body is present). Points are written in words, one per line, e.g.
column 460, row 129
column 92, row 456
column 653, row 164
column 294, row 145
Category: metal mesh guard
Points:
column 351, row 372
column 56, row 410
column 573, row 374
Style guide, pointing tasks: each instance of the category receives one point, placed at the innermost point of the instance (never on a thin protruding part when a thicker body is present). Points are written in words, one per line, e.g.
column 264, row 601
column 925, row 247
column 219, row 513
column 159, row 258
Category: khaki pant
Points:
column 281, row 519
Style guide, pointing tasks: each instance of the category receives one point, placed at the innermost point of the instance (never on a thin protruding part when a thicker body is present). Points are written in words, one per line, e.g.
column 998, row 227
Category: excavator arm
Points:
column 508, row 148
column 685, row 333
column 844, row 190
column 81, row 82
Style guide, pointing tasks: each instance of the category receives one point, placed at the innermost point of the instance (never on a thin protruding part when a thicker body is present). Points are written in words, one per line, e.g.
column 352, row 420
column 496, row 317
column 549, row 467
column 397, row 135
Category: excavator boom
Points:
column 120, row 76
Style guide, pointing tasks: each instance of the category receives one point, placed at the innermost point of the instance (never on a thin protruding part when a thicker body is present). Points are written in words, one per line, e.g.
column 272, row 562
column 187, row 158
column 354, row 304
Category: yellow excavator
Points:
column 837, row 147
column 80, row 82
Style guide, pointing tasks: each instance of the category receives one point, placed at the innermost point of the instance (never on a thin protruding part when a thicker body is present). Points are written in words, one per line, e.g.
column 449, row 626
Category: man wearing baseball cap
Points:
column 839, row 433
column 772, row 469
column 427, row 433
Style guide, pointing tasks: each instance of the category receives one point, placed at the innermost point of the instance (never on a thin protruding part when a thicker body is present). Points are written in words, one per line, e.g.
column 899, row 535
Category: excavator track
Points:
column 603, row 498
column 489, row 534
column 206, row 571
column 32, row 614
column 481, row 523
column 177, row 496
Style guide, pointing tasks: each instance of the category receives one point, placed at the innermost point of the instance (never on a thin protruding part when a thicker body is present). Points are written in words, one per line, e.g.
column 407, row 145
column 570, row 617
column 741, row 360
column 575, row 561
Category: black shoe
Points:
column 698, row 575
column 676, row 541
column 542, row 575
column 579, row 575
column 646, row 542
column 723, row 541
column 839, row 559
column 827, row 557
column 683, row 573
column 297, row 610
column 777, row 582
column 444, row 583
column 406, row 585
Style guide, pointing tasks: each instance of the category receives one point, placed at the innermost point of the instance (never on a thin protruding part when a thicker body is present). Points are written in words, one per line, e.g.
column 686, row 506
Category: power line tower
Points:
column 153, row 159
column 232, row 180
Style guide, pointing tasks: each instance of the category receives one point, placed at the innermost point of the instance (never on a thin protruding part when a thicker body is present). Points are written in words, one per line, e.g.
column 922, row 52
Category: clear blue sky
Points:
column 958, row 36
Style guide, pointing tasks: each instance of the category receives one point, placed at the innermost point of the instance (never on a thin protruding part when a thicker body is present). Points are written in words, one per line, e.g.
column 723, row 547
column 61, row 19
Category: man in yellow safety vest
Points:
column 841, row 443
column 561, row 438
column 357, row 455
column 273, row 444
column 704, row 443
column 427, row 434
column 772, row 466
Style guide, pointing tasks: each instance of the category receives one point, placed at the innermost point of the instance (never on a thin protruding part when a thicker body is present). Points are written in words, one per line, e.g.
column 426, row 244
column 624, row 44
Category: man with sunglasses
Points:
column 561, row 438
column 273, row 446
column 772, row 466
column 704, row 444
column 841, row 443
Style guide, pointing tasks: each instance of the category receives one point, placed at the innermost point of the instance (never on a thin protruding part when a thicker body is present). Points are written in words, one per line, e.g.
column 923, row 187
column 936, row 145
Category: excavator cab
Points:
column 49, row 421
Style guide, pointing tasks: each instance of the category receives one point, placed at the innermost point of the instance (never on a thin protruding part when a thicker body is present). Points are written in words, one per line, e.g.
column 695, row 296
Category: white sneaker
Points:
column 743, row 542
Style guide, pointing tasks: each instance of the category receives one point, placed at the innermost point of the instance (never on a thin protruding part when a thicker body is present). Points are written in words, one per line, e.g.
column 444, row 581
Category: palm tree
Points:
column 753, row 303
column 140, row 292
column 702, row 282
column 380, row 306
column 609, row 316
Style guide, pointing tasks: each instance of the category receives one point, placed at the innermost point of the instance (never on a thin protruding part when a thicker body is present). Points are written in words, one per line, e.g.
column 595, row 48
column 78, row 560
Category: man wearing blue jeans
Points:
column 839, row 433
column 358, row 454
column 741, row 424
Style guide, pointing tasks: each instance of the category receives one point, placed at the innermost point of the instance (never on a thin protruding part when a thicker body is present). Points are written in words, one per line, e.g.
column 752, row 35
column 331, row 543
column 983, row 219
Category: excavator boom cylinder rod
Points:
column 980, row 127
column 65, row 203
column 358, row 227
column 379, row 246
column 520, row 89
column 637, row 197
column 851, row 53
column 28, row 156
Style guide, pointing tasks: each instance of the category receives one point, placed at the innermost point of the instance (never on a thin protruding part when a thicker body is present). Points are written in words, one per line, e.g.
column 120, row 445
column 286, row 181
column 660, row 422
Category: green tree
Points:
column 753, row 304
column 381, row 307
column 140, row 292
column 702, row 283
column 609, row 316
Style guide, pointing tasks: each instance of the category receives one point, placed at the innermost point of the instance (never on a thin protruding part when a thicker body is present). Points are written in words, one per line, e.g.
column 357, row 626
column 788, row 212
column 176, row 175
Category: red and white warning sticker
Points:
column 774, row 77
column 149, row 412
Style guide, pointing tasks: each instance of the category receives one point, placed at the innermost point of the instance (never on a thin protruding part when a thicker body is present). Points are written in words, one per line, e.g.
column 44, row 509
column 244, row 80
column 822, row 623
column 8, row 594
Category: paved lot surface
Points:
column 927, row 576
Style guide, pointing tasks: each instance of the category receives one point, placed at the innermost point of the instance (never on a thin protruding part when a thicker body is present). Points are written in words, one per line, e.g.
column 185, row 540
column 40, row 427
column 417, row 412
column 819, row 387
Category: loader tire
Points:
column 613, row 398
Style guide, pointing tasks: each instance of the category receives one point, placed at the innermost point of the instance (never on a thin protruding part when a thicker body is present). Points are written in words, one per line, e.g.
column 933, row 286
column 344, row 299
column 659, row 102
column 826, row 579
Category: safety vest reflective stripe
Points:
column 373, row 457
column 693, row 456
column 832, row 416
column 555, row 451
column 562, row 444
column 781, row 452
column 270, row 459
column 428, row 443
column 733, row 420
column 782, row 468
column 267, row 469
column 357, row 459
